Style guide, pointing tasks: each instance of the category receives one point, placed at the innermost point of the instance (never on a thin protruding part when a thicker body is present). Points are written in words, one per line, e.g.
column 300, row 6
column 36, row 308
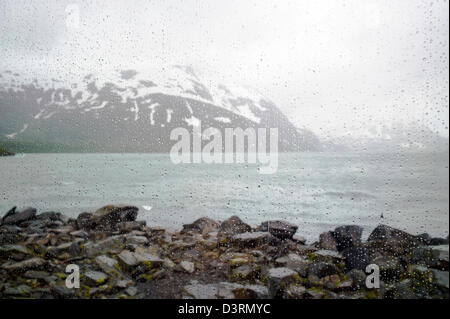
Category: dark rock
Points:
column 84, row 221
column 356, row 258
column 390, row 267
column 347, row 236
column 109, row 216
column 234, row 225
column 358, row 278
column 16, row 217
column 52, row 216
column 424, row 239
column 394, row 236
column 95, row 278
column 278, row 228
column 202, row 225
column 322, row 269
column 438, row 241
column 35, row 263
column 327, row 241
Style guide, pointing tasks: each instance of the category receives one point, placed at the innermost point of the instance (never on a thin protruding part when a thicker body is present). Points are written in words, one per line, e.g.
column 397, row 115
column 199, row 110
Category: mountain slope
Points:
column 130, row 111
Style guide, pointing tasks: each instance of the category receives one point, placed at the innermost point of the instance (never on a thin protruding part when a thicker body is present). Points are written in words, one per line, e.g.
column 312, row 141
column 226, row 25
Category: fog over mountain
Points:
column 334, row 68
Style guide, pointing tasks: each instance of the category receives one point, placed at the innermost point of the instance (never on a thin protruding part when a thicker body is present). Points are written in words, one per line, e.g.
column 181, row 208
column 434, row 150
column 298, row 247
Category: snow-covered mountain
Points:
column 133, row 110
column 393, row 137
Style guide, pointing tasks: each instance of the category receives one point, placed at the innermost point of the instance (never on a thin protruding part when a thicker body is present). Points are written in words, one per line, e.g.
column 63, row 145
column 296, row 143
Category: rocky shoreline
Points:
column 121, row 257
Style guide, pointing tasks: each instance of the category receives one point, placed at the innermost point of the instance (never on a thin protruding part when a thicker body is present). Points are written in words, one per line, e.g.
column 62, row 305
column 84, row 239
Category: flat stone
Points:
column 35, row 263
column 234, row 225
column 95, row 278
column 107, row 264
column 136, row 240
column 322, row 269
column 93, row 249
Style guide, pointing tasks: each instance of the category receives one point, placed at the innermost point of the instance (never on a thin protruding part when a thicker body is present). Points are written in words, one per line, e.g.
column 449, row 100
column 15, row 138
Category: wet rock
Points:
column 347, row 236
column 84, row 221
column 127, row 259
column 132, row 291
column 202, row 225
column 234, row 225
column 328, row 256
column 95, row 278
column 393, row 236
column 278, row 228
column 327, row 241
column 438, row 241
column 299, row 239
column 17, row 216
column 356, row 258
column 109, row 216
column 358, row 278
column 322, row 269
column 279, row 278
column 252, row 240
column 33, row 274
column 390, row 267
column 431, row 256
column 35, row 263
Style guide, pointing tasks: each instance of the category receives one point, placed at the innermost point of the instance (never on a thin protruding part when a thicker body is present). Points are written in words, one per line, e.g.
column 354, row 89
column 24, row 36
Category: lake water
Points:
column 316, row 191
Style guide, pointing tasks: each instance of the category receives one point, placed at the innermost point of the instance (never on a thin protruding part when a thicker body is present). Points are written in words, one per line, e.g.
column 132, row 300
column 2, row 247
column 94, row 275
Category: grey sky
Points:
column 332, row 66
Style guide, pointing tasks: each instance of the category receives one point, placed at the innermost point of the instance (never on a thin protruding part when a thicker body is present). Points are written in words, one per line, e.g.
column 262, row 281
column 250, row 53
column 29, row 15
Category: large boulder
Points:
column 84, row 221
column 109, row 216
column 234, row 225
column 347, row 236
column 202, row 225
column 14, row 217
column 394, row 237
column 327, row 241
column 278, row 228
column 280, row 278
column 356, row 258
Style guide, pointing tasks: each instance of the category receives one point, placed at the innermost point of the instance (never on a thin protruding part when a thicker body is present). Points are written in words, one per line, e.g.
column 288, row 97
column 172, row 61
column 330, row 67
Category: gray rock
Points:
column 84, row 221
column 19, row 216
column 52, row 216
column 109, row 216
column 327, row 241
column 202, row 225
column 107, row 264
column 294, row 262
column 93, row 249
column 347, row 236
column 35, row 263
column 234, row 225
column 279, row 278
column 16, row 252
column 356, row 258
column 252, row 240
column 294, row 291
column 136, row 240
column 278, row 228
column 95, row 278
column 393, row 236
column 322, row 269
column 358, row 278
column 127, row 259
column 390, row 267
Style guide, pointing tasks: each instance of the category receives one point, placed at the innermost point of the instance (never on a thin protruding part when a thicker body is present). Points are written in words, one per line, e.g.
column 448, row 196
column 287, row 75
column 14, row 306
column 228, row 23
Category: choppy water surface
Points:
column 316, row 191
